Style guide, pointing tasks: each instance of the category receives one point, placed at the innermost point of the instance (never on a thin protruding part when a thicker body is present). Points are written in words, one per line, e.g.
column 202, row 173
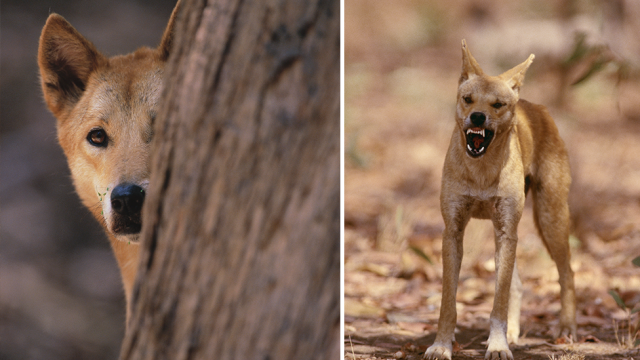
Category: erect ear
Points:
column 66, row 59
column 515, row 76
column 167, row 38
column 470, row 66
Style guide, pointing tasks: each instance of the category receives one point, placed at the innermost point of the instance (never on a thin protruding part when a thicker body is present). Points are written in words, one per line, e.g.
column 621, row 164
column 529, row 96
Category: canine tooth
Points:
column 479, row 132
column 481, row 149
column 469, row 147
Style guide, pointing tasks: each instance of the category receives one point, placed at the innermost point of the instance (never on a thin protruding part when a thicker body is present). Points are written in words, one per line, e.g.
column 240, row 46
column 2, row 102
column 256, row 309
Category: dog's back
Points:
column 543, row 150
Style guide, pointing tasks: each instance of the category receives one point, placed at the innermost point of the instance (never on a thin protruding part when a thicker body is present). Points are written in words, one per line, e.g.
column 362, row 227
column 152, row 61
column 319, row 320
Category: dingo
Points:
column 501, row 148
column 105, row 109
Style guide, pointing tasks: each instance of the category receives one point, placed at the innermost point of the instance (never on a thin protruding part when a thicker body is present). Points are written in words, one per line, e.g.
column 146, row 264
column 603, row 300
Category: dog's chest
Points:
column 483, row 209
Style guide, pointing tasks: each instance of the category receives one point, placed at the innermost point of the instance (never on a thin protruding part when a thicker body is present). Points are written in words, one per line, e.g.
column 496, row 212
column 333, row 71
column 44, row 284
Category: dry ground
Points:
column 401, row 67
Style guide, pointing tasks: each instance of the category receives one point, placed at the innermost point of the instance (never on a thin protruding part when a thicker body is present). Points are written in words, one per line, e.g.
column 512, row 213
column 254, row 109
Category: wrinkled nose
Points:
column 477, row 118
column 127, row 199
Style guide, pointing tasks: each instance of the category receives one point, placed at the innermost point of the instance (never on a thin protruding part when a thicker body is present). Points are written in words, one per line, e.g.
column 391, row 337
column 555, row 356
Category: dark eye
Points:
column 467, row 99
column 497, row 105
column 98, row 137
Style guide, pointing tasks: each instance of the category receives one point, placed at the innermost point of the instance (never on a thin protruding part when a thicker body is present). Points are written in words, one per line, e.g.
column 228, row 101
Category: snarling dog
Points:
column 502, row 147
column 105, row 109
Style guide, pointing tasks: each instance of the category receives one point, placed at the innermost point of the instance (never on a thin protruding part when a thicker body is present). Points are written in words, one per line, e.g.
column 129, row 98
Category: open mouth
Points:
column 478, row 140
column 125, row 225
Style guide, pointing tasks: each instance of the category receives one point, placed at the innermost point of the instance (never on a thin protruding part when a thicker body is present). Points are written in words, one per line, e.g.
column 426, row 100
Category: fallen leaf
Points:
column 563, row 340
column 355, row 308
column 411, row 347
column 456, row 346
column 412, row 326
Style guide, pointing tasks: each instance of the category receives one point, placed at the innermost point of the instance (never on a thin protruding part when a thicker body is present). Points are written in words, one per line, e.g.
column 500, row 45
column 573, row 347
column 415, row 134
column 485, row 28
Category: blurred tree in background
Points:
column 241, row 232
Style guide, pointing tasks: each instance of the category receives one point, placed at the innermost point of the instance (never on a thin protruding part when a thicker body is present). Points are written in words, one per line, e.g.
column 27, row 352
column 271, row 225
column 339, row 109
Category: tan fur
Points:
column 491, row 182
column 86, row 91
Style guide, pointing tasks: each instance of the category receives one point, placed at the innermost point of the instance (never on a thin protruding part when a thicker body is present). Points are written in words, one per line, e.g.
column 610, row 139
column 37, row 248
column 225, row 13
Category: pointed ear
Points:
column 470, row 66
column 515, row 76
column 167, row 38
column 66, row 60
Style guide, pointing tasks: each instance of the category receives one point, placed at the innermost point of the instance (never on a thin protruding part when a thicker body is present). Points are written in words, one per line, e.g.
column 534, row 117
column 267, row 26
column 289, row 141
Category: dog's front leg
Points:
column 456, row 220
column 505, row 221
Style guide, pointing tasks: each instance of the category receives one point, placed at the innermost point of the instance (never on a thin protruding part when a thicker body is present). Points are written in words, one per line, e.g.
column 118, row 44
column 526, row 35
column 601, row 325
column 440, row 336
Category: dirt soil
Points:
column 402, row 65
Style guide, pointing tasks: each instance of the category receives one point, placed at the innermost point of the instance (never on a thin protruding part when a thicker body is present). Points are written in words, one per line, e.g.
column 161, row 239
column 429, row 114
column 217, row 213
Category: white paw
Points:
column 438, row 352
column 497, row 347
column 498, row 355
column 568, row 330
column 512, row 336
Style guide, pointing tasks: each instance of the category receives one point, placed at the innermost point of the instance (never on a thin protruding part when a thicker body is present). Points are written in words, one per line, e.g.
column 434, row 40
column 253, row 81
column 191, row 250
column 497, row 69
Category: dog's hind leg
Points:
column 551, row 216
column 515, row 298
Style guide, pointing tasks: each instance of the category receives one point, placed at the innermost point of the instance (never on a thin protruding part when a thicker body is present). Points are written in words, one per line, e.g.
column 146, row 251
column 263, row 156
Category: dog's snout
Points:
column 127, row 199
column 478, row 118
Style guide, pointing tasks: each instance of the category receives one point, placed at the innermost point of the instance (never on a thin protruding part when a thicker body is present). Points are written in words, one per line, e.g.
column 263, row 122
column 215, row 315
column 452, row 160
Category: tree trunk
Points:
column 240, row 250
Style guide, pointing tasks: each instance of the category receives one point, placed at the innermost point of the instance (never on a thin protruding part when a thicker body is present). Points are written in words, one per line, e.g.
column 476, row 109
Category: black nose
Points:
column 478, row 118
column 127, row 199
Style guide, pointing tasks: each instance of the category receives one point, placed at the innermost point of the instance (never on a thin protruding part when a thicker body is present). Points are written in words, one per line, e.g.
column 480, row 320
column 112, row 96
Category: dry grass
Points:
column 569, row 356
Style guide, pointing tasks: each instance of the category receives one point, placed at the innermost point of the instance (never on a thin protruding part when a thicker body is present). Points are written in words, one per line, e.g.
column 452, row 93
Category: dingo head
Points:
column 486, row 104
column 105, row 109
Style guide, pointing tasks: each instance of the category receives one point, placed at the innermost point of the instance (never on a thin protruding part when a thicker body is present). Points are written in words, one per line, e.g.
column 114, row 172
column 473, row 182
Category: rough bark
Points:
column 240, row 239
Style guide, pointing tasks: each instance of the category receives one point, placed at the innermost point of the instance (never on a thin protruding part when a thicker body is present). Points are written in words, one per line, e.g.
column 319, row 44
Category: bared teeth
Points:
column 475, row 151
column 479, row 132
